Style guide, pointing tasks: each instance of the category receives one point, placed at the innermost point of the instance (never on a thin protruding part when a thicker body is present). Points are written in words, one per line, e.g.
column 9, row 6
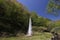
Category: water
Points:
column 30, row 28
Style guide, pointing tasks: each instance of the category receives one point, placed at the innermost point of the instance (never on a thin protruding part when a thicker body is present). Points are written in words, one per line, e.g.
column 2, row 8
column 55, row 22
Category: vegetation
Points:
column 56, row 30
column 13, row 17
column 39, row 21
column 54, row 7
column 36, row 36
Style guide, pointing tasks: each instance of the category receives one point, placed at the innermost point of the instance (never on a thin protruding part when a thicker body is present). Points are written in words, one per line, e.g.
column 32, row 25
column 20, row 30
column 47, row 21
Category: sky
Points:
column 39, row 6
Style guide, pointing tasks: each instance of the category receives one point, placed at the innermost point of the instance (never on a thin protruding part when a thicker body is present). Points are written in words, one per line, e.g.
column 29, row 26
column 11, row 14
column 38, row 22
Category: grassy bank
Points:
column 36, row 36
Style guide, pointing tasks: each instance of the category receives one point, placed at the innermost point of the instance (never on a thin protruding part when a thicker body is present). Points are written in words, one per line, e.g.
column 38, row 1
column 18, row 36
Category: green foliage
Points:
column 57, row 23
column 56, row 30
column 53, row 7
column 13, row 17
column 53, row 24
column 36, row 36
column 38, row 20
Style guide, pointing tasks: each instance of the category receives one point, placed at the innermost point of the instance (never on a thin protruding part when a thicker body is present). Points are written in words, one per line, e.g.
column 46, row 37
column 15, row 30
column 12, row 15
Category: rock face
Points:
column 56, row 36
